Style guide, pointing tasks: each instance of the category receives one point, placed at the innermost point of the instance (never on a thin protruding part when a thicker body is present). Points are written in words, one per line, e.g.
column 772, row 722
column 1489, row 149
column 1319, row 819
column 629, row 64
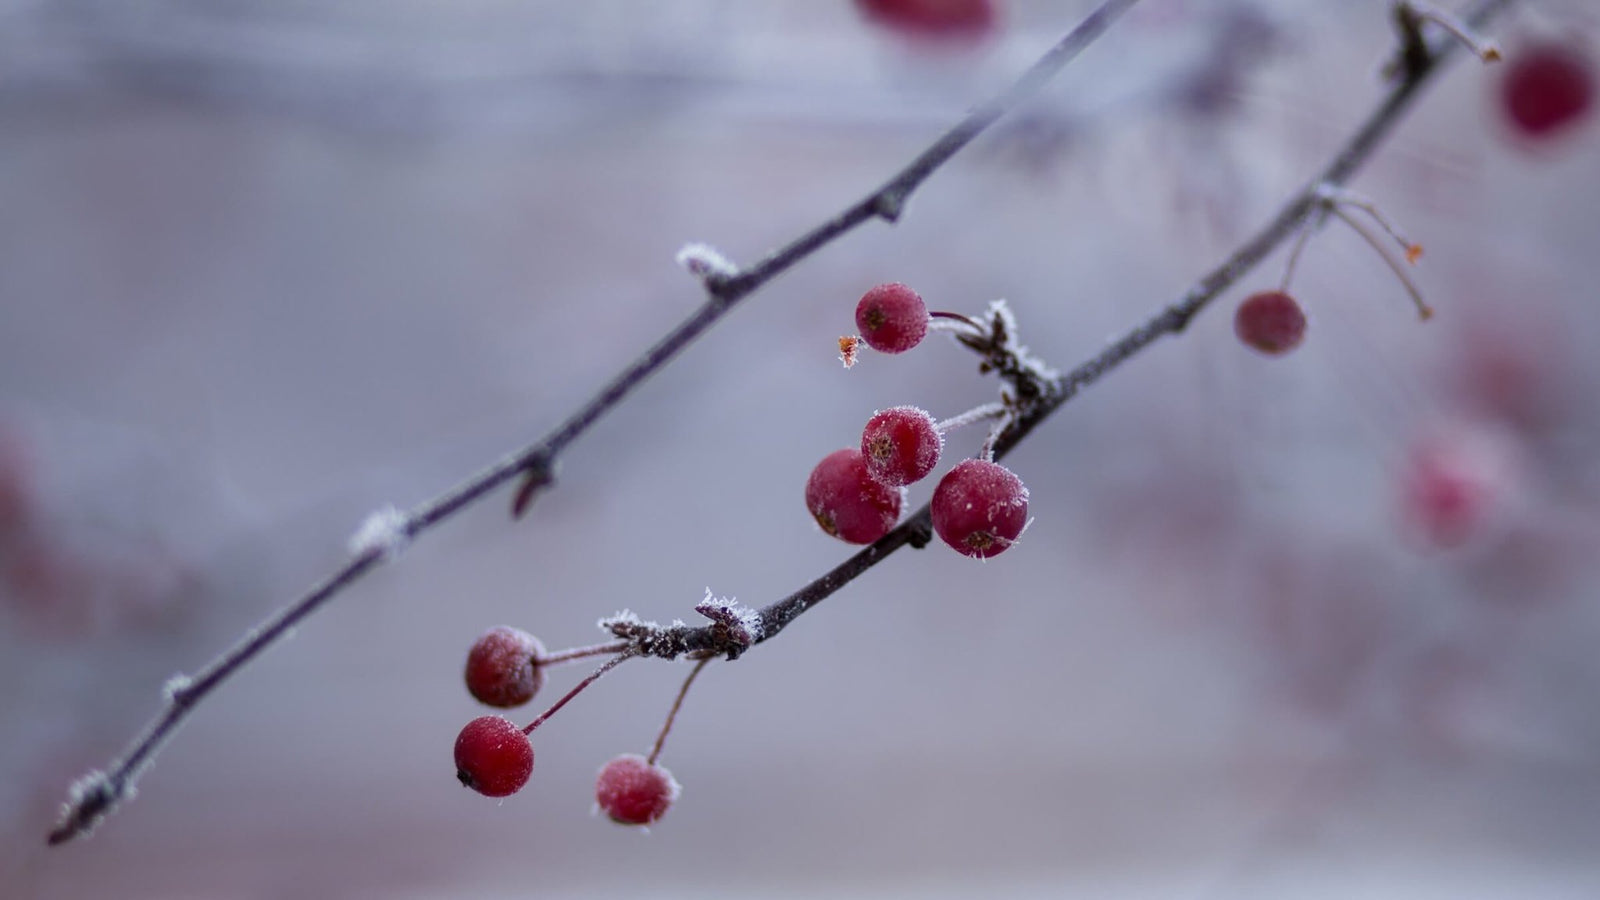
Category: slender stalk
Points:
column 677, row 704
column 100, row 792
column 577, row 653
column 578, row 688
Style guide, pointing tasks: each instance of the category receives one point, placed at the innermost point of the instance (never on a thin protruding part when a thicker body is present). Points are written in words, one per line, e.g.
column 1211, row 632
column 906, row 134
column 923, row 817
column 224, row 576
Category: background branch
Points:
column 916, row 530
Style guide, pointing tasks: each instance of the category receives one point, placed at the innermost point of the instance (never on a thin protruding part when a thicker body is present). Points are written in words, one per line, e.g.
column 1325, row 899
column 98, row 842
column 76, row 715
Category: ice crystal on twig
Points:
column 743, row 624
column 386, row 531
column 704, row 262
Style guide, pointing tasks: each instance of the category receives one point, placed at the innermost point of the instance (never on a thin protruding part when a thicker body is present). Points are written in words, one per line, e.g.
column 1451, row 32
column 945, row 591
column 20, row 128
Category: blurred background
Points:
column 1313, row 626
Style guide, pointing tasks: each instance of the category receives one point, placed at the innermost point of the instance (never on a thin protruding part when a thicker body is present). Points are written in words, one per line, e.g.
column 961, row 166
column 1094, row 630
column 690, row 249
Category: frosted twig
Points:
column 536, row 463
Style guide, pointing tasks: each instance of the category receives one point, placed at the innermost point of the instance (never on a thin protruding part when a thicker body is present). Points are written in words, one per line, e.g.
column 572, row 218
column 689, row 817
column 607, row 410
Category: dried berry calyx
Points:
column 901, row 445
column 980, row 508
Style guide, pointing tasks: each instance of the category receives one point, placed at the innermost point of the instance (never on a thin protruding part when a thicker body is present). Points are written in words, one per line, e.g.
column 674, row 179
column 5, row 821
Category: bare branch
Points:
column 536, row 463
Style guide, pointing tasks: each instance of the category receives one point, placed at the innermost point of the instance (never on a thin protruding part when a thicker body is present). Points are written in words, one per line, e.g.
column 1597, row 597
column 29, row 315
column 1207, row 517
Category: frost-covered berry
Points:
column 901, row 445
column 892, row 318
column 847, row 501
column 1546, row 86
column 932, row 18
column 632, row 791
column 979, row 508
column 493, row 756
column 503, row 667
column 1271, row 322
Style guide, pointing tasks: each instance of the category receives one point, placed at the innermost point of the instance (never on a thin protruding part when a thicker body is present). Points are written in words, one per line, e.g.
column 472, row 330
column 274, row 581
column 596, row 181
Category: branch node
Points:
column 89, row 800
column 384, row 532
column 538, row 475
column 1414, row 57
column 889, row 204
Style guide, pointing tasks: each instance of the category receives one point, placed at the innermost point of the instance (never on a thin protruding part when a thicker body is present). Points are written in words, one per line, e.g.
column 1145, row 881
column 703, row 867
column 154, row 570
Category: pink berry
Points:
column 847, row 501
column 493, row 756
column 632, row 791
column 503, row 667
column 1455, row 484
column 901, row 445
column 1271, row 322
column 892, row 318
column 980, row 508
column 1547, row 86
column 932, row 18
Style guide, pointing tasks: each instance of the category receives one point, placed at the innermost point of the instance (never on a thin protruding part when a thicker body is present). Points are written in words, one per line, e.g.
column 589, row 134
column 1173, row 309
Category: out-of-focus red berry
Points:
column 1547, row 86
column 932, row 18
column 848, row 502
column 1271, row 322
column 503, row 667
column 632, row 791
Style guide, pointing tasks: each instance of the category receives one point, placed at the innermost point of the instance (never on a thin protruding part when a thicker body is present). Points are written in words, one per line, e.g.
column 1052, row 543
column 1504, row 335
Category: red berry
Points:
column 632, row 791
column 847, row 501
column 931, row 18
column 1456, row 484
column 493, row 756
column 1271, row 322
column 979, row 508
column 901, row 445
column 503, row 667
column 1547, row 86
column 892, row 318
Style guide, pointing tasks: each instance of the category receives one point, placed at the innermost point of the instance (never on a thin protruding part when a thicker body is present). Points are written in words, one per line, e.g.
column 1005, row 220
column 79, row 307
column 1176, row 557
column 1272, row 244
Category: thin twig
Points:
column 672, row 714
column 576, row 653
column 536, row 463
column 578, row 688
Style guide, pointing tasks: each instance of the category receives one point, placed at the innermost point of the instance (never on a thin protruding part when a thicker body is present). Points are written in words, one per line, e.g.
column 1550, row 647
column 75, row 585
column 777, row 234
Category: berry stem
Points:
column 957, row 321
column 1424, row 311
column 1338, row 196
column 976, row 414
column 672, row 714
column 577, row 689
column 1301, row 238
column 1486, row 50
column 577, row 653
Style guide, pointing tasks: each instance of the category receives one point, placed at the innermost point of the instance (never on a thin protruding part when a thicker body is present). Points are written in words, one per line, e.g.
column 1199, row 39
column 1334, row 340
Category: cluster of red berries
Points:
column 495, row 758
column 855, row 494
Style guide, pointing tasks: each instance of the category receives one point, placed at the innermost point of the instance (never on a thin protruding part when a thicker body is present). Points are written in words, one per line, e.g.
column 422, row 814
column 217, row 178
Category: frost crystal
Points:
column 703, row 261
column 176, row 685
column 386, row 531
column 1004, row 323
column 744, row 624
column 89, row 800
